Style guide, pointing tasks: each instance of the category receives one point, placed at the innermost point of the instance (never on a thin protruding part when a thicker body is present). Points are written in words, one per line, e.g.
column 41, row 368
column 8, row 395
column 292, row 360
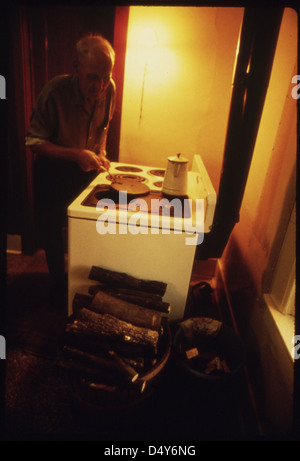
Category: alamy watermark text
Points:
column 2, row 87
column 163, row 216
column 2, row 347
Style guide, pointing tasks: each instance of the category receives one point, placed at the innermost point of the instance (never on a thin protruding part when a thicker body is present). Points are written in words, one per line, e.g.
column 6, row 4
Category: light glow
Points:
column 177, row 82
column 148, row 38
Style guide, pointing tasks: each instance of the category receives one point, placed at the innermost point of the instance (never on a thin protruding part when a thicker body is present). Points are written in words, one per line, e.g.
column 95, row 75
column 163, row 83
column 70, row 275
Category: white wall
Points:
column 177, row 93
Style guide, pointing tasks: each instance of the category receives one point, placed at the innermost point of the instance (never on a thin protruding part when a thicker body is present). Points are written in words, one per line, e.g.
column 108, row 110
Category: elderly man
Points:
column 67, row 135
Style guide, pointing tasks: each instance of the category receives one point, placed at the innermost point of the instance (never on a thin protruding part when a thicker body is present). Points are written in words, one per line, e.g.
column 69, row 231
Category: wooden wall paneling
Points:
column 66, row 25
column 119, row 43
column 42, row 43
column 21, row 217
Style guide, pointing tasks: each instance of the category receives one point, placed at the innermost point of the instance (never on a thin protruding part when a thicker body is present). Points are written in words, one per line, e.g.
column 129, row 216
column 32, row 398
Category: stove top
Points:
column 118, row 176
column 110, row 198
column 101, row 189
column 113, row 198
column 129, row 168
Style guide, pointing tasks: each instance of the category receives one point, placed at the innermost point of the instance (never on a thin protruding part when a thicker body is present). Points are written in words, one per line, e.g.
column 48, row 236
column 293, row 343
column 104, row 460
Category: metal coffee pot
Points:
column 175, row 181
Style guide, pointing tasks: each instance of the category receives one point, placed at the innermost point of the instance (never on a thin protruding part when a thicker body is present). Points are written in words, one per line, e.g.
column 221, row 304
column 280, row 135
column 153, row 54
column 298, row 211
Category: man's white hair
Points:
column 94, row 47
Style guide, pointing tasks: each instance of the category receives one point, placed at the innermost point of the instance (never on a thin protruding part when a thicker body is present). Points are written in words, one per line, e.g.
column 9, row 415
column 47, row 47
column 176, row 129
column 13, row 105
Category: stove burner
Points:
column 160, row 173
column 117, row 176
column 131, row 169
column 110, row 198
column 158, row 183
column 100, row 194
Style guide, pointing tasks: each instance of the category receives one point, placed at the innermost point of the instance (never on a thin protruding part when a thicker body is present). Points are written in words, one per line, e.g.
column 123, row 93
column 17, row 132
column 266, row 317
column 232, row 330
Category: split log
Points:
column 139, row 385
column 138, row 363
column 94, row 325
column 141, row 298
column 122, row 280
column 126, row 291
column 124, row 367
column 104, row 303
column 100, row 386
column 82, row 369
column 81, row 300
column 101, row 344
column 114, row 363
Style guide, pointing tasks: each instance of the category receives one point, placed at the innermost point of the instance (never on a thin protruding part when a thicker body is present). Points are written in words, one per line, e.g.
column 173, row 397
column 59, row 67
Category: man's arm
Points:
column 43, row 128
column 86, row 159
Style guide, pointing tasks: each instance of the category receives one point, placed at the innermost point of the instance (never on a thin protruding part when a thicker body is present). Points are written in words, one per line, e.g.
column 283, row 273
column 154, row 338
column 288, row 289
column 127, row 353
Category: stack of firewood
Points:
column 113, row 336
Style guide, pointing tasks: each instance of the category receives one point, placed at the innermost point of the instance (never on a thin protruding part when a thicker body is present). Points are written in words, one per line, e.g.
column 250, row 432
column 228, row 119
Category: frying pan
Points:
column 131, row 186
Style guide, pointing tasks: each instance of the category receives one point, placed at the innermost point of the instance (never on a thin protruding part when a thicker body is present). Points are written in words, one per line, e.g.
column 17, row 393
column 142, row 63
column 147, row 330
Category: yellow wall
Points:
column 184, row 108
column 249, row 255
column 177, row 93
column 274, row 157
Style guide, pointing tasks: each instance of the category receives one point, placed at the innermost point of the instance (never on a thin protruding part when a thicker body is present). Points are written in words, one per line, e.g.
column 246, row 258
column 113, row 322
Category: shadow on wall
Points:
column 270, row 369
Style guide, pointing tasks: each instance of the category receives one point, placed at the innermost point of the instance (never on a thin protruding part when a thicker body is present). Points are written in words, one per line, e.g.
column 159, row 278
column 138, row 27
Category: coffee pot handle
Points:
column 177, row 169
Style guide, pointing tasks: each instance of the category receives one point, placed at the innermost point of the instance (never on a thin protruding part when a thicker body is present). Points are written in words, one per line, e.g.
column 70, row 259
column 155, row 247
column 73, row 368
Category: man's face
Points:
column 94, row 77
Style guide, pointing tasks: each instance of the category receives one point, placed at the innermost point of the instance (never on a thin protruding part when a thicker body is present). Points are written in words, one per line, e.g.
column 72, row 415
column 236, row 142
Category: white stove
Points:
column 146, row 235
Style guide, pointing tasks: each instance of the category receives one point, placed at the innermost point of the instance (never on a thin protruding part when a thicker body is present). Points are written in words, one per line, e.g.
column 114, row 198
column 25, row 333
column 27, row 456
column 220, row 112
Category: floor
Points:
column 39, row 402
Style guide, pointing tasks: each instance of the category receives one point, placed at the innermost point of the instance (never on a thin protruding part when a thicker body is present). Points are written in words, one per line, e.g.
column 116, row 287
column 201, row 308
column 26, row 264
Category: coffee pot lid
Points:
column 178, row 158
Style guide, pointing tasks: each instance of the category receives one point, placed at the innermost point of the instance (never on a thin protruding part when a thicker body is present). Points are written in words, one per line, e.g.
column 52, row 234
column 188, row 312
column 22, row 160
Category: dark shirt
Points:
column 60, row 117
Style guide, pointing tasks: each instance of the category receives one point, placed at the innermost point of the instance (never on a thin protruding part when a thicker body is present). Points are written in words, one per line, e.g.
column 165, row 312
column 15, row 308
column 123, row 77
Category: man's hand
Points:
column 88, row 160
column 104, row 160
